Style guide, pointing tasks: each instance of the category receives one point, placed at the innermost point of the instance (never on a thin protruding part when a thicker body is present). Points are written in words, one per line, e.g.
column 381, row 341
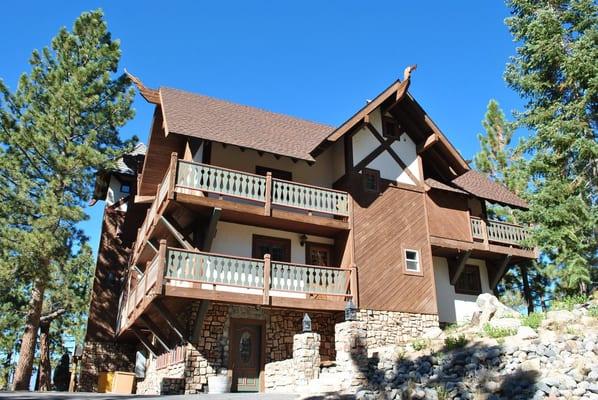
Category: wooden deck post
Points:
column 267, row 269
column 161, row 268
column 484, row 231
column 268, row 194
column 353, row 286
column 172, row 170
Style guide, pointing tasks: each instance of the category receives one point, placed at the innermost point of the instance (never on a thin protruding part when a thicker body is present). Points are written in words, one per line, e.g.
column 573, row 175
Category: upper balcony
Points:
column 245, row 198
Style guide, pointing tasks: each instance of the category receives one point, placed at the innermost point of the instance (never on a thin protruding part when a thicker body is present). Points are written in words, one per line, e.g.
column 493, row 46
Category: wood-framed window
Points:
column 412, row 261
column 276, row 173
column 390, row 128
column 278, row 248
column 371, row 180
column 469, row 281
column 319, row 254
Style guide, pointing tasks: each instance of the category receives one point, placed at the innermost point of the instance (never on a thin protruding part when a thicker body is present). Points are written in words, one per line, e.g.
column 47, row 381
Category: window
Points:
column 276, row 173
column 390, row 128
column 125, row 188
column 371, row 180
column 469, row 282
column 278, row 248
column 318, row 254
column 412, row 260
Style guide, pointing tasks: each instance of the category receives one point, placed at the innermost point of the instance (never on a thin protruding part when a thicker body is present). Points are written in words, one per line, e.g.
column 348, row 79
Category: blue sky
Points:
column 318, row 60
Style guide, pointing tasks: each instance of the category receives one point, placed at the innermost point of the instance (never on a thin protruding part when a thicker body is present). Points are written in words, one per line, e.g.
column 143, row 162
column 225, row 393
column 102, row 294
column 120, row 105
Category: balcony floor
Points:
column 444, row 247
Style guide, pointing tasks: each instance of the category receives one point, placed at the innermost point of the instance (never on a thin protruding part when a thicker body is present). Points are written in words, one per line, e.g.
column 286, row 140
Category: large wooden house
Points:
column 241, row 221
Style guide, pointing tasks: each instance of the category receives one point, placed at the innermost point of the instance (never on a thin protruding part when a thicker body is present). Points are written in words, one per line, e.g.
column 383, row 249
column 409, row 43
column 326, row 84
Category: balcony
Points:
column 248, row 199
column 498, row 232
column 179, row 273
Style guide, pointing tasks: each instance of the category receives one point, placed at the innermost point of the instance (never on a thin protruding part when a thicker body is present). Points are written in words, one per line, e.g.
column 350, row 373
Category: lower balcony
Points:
column 183, row 274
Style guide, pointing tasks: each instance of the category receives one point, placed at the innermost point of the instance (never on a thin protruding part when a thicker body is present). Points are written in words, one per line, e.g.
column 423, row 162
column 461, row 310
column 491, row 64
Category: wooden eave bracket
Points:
column 183, row 241
column 211, row 229
column 456, row 268
column 146, row 343
column 155, row 330
column 429, row 142
column 144, row 199
column 170, row 319
column 500, row 271
column 150, row 95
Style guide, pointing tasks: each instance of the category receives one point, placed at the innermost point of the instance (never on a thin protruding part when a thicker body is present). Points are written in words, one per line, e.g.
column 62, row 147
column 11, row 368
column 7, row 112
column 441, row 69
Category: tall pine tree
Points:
column 555, row 70
column 56, row 129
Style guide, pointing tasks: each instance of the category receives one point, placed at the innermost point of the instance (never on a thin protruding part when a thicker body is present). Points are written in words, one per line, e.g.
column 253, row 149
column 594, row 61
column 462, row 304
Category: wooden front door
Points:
column 319, row 254
column 247, row 354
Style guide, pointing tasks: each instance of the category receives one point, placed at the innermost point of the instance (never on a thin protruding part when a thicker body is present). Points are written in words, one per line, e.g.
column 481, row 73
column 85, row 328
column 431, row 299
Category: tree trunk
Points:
column 527, row 292
column 45, row 369
column 29, row 339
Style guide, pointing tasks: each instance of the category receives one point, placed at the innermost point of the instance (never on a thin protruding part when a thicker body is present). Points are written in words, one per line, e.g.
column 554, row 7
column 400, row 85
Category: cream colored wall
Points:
column 364, row 142
column 114, row 194
column 321, row 174
column 453, row 307
column 236, row 240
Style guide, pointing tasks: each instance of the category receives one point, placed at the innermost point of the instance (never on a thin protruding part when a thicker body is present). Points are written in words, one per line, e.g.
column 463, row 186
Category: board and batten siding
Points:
column 455, row 307
column 383, row 228
column 364, row 143
column 236, row 240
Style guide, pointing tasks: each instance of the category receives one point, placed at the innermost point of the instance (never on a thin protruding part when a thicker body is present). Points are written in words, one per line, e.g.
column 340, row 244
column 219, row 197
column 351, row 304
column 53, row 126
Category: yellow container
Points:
column 116, row 382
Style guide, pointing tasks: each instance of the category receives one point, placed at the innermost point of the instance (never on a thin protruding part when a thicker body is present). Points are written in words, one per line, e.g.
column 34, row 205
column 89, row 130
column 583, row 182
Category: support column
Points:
column 306, row 357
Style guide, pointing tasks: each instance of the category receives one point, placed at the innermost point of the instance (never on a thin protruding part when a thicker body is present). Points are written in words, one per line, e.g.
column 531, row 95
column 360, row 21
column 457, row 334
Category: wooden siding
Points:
column 384, row 225
column 448, row 215
column 158, row 154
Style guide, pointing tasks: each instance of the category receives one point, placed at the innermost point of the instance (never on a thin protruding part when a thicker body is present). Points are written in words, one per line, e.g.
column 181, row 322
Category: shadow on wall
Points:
column 469, row 372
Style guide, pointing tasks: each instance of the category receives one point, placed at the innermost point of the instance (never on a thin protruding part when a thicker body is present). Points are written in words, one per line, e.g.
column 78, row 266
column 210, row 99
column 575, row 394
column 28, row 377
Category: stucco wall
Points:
column 364, row 143
column 322, row 173
column 454, row 307
column 236, row 240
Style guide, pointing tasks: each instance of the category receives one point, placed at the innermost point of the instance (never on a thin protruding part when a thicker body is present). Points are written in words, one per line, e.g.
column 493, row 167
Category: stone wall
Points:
column 103, row 357
column 210, row 354
column 390, row 327
column 168, row 380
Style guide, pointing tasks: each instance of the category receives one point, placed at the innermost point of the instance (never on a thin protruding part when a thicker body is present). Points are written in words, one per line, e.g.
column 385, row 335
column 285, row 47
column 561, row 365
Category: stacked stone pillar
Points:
column 306, row 357
column 351, row 353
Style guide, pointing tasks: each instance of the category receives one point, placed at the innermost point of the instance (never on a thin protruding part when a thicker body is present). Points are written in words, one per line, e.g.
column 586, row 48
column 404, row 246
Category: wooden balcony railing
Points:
column 262, row 189
column 209, row 271
column 498, row 231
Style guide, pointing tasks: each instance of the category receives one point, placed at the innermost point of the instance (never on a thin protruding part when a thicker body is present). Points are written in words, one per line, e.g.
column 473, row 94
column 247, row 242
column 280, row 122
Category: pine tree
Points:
column 555, row 70
column 56, row 129
column 502, row 162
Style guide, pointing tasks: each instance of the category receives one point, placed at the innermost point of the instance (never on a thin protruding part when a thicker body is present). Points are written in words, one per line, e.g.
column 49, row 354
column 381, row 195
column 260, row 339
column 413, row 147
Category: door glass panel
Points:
column 245, row 348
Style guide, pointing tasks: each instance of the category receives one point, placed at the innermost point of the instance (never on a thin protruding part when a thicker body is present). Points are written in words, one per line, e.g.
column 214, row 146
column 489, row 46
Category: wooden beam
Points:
column 500, row 271
column 177, row 235
column 201, row 315
column 429, row 142
column 155, row 330
column 146, row 343
column 144, row 199
column 211, row 230
column 393, row 154
column 152, row 246
column 170, row 319
column 458, row 267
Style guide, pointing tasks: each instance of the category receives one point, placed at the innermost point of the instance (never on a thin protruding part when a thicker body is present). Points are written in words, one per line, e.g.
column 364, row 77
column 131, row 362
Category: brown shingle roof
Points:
column 221, row 121
column 479, row 185
column 434, row 184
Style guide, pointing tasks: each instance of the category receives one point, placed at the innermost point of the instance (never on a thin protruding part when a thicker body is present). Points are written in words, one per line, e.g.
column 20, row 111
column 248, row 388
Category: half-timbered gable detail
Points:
column 250, row 219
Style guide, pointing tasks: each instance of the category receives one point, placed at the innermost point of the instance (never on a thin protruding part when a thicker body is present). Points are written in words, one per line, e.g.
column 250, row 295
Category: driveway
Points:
column 108, row 396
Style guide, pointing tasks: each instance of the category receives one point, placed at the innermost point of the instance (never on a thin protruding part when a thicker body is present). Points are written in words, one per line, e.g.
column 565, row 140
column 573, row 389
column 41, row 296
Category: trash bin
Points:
column 116, row 382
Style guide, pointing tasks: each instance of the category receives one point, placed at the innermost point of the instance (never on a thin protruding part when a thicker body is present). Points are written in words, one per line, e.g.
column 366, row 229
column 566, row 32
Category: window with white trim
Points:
column 412, row 260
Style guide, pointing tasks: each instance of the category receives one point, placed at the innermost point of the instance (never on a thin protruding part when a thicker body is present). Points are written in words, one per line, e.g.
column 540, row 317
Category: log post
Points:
column 267, row 269
column 172, row 171
column 353, row 286
column 268, row 194
column 484, row 231
column 161, row 267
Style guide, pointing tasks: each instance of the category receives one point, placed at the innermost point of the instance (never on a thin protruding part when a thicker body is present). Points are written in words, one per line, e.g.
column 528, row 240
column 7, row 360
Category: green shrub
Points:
column 419, row 344
column 533, row 320
column 496, row 333
column 569, row 302
column 593, row 311
column 455, row 342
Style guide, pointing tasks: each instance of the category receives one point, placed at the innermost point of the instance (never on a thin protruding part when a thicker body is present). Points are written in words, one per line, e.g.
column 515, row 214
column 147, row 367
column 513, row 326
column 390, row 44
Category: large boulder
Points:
column 505, row 323
column 558, row 318
column 490, row 307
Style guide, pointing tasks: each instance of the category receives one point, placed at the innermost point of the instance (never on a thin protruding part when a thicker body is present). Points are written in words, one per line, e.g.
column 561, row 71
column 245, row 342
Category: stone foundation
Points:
column 168, row 380
column 386, row 328
column 102, row 357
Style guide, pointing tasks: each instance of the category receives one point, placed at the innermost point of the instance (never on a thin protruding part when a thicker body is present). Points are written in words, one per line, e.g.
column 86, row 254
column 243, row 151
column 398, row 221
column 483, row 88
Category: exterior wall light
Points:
column 350, row 311
column 306, row 323
column 302, row 239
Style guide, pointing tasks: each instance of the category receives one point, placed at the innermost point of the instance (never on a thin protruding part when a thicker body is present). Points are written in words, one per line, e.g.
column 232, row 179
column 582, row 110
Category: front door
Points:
column 246, row 354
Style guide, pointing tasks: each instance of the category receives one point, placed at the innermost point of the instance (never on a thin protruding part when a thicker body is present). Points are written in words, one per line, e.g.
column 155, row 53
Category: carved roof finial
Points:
column 151, row 95
column 408, row 71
